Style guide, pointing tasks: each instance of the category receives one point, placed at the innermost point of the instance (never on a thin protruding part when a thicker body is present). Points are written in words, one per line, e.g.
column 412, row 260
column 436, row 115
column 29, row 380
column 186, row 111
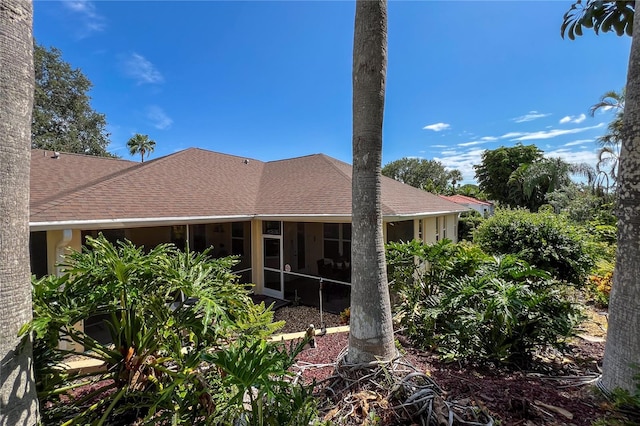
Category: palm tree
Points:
column 371, row 332
column 609, row 152
column 622, row 350
column 455, row 176
column 19, row 404
column 141, row 144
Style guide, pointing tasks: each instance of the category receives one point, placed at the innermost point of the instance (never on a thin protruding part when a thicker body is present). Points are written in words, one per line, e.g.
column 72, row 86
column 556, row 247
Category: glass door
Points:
column 272, row 252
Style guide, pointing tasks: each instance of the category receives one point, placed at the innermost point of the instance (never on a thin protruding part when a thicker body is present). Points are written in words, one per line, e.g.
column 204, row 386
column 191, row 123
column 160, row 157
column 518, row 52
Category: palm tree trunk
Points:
column 371, row 335
column 622, row 349
column 18, row 401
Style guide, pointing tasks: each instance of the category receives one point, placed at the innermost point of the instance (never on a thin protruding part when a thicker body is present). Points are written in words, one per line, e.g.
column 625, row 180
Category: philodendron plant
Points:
column 167, row 312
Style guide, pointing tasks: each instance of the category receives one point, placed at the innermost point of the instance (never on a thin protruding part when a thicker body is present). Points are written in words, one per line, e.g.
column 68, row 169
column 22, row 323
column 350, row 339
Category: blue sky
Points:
column 272, row 80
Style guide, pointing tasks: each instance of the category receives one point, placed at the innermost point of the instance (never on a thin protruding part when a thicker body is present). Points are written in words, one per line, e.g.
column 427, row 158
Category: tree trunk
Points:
column 622, row 349
column 18, row 401
column 371, row 335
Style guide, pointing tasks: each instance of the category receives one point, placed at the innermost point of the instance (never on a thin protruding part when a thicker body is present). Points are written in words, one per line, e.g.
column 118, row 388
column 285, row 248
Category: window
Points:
column 237, row 238
column 337, row 240
column 271, row 228
column 444, row 228
column 437, row 229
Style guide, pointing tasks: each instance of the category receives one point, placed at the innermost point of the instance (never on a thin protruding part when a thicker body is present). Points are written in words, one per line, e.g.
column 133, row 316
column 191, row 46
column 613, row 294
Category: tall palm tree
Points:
column 609, row 152
column 18, row 400
column 622, row 350
column 371, row 329
column 141, row 144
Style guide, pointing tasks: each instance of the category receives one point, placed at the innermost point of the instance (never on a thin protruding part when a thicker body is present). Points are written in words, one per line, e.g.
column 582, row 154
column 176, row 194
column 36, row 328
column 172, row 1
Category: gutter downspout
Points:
column 67, row 234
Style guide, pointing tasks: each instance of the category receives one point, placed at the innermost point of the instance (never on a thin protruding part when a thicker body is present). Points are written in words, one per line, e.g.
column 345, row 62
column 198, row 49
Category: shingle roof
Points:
column 200, row 183
column 463, row 199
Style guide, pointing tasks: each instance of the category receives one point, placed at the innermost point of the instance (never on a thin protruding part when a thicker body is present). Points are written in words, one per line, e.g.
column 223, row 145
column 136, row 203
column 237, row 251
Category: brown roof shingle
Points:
column 200, row 183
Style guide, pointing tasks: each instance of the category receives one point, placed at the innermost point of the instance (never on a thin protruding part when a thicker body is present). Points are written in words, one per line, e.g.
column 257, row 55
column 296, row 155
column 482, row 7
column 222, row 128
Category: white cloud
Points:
column 530, row 116
column 92, row 20
column 439, row 146
column 488, row 138
column 472, row 143
column 578, row 142
column 511, row 135
column 437, row 127
column 574, row 157
column 449, row 152
column 573, row 119
column 158, row 117
column 139, row 68
column 463, row 161
column 548, row 134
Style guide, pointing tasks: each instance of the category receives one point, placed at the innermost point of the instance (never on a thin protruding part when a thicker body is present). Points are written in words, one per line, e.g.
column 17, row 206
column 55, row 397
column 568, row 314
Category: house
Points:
column 485, row 208
column 288, row 221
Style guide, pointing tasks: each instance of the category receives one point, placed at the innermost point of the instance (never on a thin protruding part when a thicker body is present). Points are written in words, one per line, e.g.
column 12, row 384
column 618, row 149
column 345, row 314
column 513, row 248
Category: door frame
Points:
column 269, row 291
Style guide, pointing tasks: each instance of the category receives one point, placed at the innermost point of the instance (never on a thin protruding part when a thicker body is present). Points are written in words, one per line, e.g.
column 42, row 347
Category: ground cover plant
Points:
column 463, row 303
column 187, row 343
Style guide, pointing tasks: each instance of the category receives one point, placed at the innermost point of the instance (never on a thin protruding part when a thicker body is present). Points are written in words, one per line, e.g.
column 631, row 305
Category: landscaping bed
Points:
column 556, row 389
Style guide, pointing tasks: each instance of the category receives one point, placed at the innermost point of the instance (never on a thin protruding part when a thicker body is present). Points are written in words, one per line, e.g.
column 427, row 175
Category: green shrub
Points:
column 546, row 240
column 467, row 224
column 166, row 312
column 467, row 304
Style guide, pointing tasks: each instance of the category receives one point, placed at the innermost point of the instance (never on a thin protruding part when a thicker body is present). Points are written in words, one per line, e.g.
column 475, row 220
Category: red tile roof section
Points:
column 197, row 182
column 463, row 199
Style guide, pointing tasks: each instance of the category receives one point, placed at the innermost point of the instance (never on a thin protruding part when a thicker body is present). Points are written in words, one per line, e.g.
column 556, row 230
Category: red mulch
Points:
column 513, row 397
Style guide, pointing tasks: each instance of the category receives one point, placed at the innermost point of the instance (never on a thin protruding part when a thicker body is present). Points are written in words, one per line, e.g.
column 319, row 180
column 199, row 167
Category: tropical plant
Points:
column 600, row 16
column 255, row 372
column 141, row 144
column 600, row 282
column 164, row 311
column 19, row 404
column 545, row 240
column 622, row 350
column 609, row 152
column 371, row 329
column 463, row 303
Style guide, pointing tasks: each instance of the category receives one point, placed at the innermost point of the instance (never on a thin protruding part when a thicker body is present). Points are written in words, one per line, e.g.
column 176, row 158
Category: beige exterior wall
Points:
column 257, row 273
column 58, row 245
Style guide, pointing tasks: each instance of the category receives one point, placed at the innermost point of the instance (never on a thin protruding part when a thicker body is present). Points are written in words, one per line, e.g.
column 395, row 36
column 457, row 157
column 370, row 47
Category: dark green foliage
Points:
column 429, row 175
column 599, row 15
column 63, row 119
column 546, row 240
column 466, row 304
column 467, row 224
column 253, row 371
column 166, row 312
column 496, row 168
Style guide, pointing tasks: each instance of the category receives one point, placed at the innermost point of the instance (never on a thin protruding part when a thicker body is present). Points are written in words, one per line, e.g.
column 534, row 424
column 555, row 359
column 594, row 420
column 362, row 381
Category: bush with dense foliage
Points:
column 466, row 304
column 467, row 224
column 175, row 319
column 545, row 240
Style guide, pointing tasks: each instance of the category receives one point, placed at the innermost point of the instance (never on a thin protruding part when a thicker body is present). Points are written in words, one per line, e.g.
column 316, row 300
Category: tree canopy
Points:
column 63, row 119
column 496, row 169
column 429, row 175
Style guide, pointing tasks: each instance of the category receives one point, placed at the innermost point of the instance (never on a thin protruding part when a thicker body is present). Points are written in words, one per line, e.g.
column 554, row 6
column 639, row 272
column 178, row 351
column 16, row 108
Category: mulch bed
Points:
column 551, row 392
